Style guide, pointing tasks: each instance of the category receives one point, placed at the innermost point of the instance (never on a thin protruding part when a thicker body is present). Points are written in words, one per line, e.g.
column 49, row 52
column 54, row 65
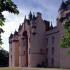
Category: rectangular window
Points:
column 52, row 50
column 41, row 51
column 47, row 61
column 29, row 50
column 11, row 49
column 52, row 62
column 47, row 41
column 53, row 39
column 47, row 50
column 11, row 58
column 24, row 52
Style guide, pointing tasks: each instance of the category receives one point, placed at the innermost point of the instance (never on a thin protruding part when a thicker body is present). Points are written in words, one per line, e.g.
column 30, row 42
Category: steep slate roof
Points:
column 16, row 33
column 20, row 27
column 11, row 36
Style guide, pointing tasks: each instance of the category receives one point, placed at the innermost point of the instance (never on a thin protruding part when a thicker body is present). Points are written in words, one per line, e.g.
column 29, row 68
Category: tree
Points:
column 4, row 58
column 65, row 40
column 6, row 5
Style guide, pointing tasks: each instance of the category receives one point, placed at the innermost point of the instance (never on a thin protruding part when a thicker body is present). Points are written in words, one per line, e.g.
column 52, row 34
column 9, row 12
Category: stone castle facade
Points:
column 37, row 43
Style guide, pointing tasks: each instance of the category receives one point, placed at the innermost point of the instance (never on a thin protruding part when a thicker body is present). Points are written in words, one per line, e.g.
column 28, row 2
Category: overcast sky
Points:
column 48, row 8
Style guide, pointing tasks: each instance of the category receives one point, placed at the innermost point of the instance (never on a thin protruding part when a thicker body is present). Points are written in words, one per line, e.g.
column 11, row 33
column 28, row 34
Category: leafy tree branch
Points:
column 65, row 40
column 6, row 5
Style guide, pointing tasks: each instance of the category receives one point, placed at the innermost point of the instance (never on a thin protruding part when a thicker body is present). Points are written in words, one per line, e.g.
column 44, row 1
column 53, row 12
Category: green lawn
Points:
column 22, row 68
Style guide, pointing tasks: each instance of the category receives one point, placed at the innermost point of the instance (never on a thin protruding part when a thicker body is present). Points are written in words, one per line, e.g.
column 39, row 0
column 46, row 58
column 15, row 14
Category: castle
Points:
column 37, row 43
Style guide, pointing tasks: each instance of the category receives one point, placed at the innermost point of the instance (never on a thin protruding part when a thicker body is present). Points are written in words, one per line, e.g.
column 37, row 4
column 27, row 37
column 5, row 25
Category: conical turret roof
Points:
column 11, row 35
column 15, row 33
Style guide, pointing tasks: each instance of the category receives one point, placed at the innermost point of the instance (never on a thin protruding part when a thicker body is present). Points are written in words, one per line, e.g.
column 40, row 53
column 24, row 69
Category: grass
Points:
column 23, row 68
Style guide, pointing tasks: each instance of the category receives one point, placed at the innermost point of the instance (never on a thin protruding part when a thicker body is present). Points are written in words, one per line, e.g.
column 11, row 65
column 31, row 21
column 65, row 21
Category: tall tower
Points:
column 23, row 46
column 37, row 43
column 14, row 50
column 10, row 50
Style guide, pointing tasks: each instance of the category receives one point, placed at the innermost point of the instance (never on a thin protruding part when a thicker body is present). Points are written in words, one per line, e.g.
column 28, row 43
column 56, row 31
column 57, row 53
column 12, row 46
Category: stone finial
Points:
column 25, row 19
column 51, row 25
column 34, row 16
column 30, row 16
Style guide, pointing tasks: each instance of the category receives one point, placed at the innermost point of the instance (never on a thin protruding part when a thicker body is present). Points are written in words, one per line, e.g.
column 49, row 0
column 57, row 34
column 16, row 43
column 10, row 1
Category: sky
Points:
column 48, row 8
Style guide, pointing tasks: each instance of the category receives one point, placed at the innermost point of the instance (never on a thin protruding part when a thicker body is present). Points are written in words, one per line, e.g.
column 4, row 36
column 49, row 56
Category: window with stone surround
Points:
column 47, row 41
column 41, row 51
column 52, row 62
column 11, row 58
column 24, row 52
column 47, row 61
column 52, row 50
column 47, row 50
column 11, row 49
column 29, row 50
column 53, row 39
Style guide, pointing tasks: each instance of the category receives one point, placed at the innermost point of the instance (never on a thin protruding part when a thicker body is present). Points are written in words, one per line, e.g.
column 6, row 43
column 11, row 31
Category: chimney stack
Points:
column 39, row 14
